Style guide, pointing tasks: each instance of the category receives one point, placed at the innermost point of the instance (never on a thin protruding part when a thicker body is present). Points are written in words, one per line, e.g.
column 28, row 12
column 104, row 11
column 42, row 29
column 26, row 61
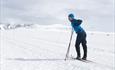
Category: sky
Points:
column 96, row 14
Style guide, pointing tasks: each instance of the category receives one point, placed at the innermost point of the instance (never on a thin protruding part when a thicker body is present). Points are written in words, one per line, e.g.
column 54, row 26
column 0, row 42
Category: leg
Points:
column 77, row 45
column 84, row 42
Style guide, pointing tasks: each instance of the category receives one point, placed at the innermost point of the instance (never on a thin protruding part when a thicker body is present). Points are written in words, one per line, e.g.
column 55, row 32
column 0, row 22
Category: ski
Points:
column 73, row 58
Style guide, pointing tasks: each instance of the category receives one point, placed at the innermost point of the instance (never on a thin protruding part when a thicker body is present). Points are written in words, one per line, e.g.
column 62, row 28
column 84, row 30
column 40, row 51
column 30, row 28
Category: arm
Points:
column 79, row 21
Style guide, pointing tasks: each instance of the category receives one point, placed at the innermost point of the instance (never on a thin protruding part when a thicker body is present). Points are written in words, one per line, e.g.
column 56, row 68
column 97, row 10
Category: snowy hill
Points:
column 44, row 48
column 8, row 26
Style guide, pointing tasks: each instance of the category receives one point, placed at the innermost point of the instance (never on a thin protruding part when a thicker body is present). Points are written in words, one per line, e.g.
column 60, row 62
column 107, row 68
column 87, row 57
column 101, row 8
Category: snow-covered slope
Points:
column 45, row 49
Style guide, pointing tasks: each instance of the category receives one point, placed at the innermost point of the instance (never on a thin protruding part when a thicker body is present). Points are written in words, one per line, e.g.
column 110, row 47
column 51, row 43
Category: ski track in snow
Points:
column 39, row 50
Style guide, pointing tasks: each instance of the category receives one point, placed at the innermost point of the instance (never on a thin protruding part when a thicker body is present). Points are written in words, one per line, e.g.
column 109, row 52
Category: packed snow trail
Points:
column 34, row 49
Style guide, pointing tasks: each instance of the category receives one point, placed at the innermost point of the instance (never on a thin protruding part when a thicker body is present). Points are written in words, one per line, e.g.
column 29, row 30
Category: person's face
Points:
column 70, row 18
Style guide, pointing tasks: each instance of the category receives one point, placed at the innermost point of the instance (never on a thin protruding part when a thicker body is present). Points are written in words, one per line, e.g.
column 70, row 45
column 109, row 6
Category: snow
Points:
column 44, row 48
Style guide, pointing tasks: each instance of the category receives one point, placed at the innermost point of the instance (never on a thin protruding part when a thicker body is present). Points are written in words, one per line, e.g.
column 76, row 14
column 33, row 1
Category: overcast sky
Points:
column 95, row 13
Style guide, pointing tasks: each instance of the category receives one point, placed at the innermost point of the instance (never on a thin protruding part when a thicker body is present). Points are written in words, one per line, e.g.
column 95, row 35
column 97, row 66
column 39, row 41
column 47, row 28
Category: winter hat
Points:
column 71, row 15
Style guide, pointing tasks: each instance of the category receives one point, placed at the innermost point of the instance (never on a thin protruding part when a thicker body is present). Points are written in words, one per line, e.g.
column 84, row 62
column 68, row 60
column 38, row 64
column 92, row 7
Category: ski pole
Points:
column 69, row 45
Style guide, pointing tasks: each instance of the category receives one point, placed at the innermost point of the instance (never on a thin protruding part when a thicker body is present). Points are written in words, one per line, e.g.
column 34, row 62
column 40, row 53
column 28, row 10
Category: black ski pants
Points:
column 81, row 39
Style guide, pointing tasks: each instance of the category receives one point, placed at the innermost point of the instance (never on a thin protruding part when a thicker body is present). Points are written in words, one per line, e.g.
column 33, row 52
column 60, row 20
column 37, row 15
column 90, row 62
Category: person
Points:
column 81, row 36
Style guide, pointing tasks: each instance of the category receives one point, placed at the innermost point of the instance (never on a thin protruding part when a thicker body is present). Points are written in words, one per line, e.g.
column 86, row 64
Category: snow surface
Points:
column 44, row 48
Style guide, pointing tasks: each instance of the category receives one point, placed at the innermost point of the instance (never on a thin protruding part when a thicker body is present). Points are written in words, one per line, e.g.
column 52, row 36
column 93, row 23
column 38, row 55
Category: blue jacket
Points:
column 76, row 25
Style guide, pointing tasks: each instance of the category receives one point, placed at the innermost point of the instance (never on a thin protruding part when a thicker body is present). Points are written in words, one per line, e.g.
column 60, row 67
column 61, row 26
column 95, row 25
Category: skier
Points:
column 81, row 36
